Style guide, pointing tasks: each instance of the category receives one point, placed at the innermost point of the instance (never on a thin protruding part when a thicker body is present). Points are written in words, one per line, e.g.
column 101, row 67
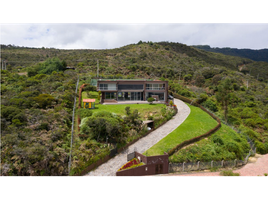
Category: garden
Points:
column 131, row 164
column 112, row 126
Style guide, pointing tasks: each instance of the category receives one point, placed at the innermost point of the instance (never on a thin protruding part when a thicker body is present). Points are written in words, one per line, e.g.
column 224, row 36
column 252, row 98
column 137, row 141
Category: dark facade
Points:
column 153, row 165
column 132, row 90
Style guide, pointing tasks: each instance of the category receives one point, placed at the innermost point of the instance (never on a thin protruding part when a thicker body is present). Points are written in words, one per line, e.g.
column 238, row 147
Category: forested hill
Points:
column 144, row 59
column 256, row 55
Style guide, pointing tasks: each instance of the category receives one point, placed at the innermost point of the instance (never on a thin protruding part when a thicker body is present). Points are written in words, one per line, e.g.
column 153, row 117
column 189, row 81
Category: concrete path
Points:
column 110, row 167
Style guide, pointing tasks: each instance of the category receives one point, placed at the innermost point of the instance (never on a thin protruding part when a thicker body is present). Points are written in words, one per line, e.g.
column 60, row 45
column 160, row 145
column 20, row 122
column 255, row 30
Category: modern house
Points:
column 132, row 90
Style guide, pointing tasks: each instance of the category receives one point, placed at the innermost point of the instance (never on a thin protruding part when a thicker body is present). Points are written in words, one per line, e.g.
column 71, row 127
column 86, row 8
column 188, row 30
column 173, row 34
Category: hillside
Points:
column 38, row 90
column 256, row 55
column 163, row 59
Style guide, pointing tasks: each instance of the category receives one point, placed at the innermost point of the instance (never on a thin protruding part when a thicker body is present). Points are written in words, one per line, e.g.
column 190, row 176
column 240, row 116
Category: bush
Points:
column 217, row 139
column 84, row 113
column 103, row 114
column 43, row 126
column 203, row 97
column 43, row 100
column 228, row 173
column 150, row 100
column 261, row 148
column 211, row 105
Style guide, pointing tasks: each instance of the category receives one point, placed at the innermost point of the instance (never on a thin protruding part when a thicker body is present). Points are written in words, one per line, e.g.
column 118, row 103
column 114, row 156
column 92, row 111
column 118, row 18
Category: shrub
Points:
column 43, row 126
column 102, row 114
column 150, row 100
column 211, row 105
column 203, row 97
column 217, row 139
column 228, row 173
column 84, row 113
column 43, row 100
column 260, row 147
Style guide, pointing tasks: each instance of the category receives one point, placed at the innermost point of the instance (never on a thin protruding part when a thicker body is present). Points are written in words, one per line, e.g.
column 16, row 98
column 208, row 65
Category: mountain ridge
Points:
column 253, row 54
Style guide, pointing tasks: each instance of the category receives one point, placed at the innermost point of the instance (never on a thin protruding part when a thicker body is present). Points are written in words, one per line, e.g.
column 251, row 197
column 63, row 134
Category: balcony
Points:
column 155, row 88
column 106, row 88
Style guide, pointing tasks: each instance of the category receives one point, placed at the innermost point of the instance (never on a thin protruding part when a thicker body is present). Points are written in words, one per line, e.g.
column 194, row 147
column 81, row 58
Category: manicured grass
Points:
column 144, row 109
column 197, row 123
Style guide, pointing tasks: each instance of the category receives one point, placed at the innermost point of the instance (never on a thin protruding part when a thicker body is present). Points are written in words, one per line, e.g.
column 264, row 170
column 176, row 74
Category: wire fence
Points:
column 71, row 145
column 196, row 166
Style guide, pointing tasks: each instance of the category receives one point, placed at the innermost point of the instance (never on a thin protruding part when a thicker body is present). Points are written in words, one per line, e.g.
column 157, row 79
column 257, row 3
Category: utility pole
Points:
column 180, row 76
column 98, row 68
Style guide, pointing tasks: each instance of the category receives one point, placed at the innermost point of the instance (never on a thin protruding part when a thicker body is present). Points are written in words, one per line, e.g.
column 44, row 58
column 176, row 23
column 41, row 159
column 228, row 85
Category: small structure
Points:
column 149, row 123
column 89, row 103
column 153, row 165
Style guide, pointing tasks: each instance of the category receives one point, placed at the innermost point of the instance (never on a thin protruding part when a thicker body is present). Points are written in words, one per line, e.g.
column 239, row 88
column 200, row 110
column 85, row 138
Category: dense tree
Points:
column 224, row 95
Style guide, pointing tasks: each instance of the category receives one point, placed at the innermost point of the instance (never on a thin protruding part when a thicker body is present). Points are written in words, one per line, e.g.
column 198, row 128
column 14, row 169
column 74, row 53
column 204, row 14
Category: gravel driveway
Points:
column 110, row 167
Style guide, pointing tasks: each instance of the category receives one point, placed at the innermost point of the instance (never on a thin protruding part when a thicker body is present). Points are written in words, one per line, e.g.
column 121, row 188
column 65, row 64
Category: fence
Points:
column 70, row 156
column 195, row 166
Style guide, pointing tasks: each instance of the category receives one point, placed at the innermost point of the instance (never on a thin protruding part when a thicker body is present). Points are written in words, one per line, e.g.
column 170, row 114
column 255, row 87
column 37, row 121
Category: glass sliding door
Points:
column 129, row 96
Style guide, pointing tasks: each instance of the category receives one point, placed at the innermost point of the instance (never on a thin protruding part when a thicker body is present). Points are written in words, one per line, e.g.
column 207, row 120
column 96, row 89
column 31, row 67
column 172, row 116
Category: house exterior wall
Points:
column 137, row 86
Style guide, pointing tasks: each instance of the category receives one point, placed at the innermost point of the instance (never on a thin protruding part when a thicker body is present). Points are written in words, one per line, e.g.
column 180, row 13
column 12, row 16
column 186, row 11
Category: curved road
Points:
column 111, row 166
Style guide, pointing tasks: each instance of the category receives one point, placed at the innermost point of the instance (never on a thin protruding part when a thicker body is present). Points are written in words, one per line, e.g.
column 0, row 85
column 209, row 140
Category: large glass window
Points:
column 161, row 95
column 155, row 86
column 130, row 96
column 130, row 87
column 110, row 95
column 104, row 86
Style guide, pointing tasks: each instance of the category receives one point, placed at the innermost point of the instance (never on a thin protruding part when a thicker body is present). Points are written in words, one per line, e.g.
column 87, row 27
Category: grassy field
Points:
column 197, row 123
column 144, row 109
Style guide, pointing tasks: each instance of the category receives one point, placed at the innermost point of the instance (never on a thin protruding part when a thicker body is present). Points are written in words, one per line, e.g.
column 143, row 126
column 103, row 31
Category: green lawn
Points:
column 197, row 123
column 144, row 109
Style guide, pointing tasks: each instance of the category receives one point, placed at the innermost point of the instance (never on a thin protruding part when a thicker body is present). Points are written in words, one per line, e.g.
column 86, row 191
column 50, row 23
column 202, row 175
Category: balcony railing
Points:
column 106, row 88
column 155, row 88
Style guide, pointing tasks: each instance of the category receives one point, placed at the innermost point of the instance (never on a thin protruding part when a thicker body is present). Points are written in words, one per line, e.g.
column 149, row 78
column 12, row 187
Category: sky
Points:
column 114, row 35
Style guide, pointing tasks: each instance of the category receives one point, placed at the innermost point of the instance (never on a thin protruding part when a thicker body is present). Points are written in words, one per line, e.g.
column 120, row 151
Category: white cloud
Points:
column 102, row 36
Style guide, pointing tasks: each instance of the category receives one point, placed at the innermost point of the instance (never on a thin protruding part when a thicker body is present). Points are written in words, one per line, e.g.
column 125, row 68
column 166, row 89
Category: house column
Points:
column 144, row 89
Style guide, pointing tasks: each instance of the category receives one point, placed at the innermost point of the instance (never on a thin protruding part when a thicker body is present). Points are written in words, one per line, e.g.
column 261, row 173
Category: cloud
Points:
column 106, row 36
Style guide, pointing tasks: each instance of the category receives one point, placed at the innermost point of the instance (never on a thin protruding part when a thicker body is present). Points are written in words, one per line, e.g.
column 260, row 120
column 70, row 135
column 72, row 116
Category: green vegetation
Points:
column 197, row 123
column 225, row 144
column 36, row 123
column 100, row 129
column 257, row 55
column 37, row 96
column 228, row 173
column 144, row 109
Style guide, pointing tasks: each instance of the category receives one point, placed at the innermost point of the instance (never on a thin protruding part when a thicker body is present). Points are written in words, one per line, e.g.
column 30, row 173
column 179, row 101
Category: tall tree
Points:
column 224, row 95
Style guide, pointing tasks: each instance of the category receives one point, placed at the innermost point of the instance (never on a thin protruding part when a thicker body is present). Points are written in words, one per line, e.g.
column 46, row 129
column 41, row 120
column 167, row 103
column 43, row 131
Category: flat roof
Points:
column 89, row 100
